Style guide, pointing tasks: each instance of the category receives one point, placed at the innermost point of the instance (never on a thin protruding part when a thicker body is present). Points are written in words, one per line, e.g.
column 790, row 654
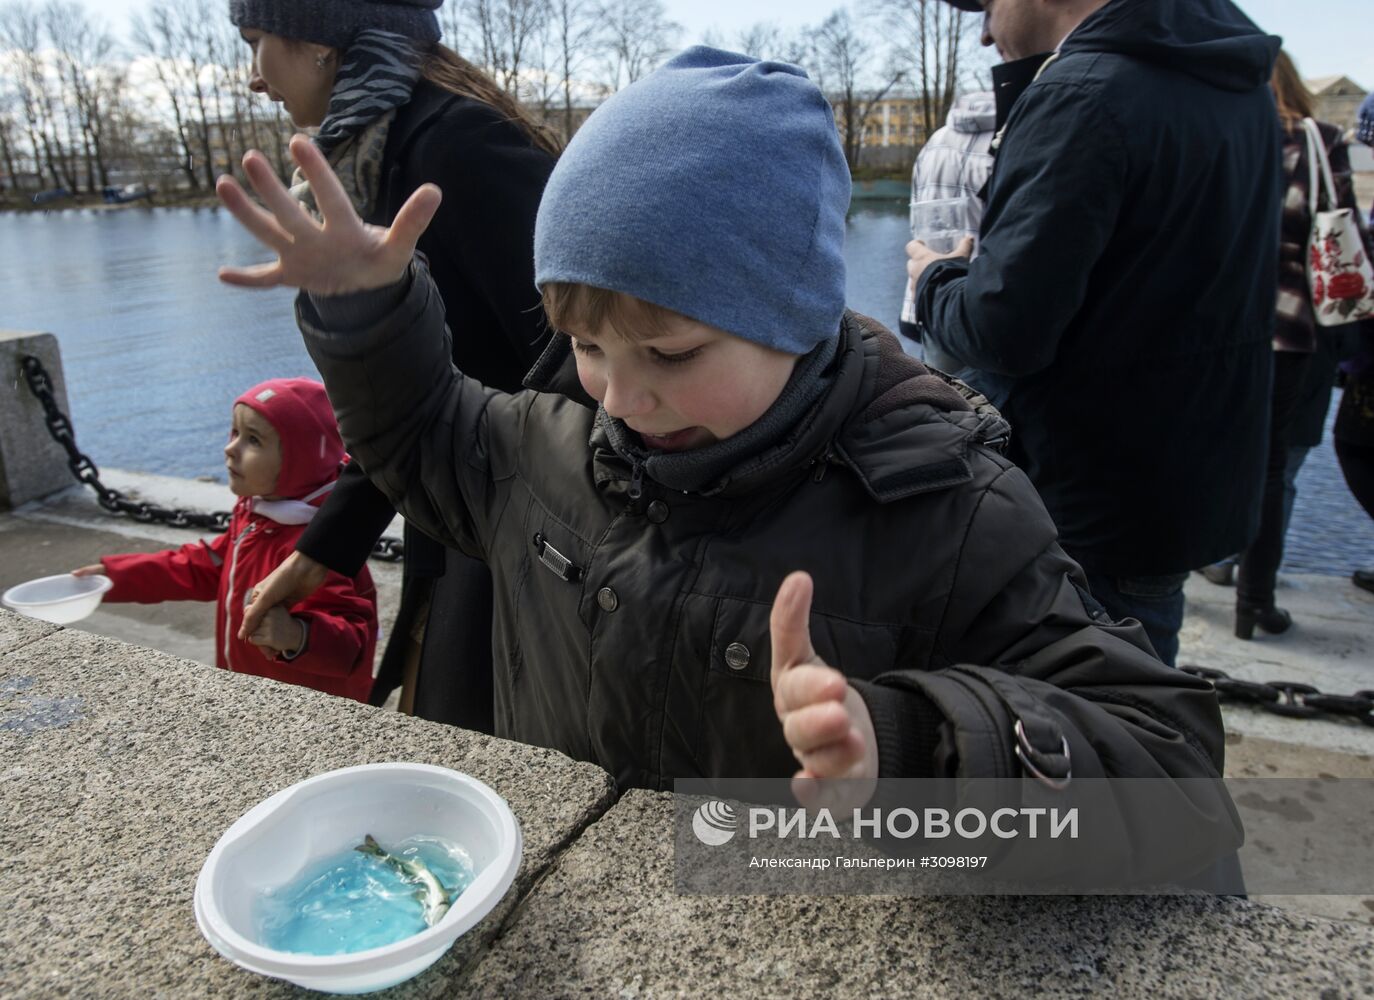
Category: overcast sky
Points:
column 1326, row 37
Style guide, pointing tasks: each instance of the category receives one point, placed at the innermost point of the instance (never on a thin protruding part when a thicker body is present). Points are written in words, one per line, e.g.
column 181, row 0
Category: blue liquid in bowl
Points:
column 351, row 901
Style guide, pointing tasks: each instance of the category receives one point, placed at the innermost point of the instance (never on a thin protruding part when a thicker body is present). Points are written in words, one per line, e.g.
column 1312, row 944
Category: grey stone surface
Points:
column 607, row 922
column 122, row 766
column 16, row 631
column 32, row 464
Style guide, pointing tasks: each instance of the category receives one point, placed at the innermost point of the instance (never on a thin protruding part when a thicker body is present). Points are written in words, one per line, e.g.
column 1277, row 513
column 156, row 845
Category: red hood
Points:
column 312, row 453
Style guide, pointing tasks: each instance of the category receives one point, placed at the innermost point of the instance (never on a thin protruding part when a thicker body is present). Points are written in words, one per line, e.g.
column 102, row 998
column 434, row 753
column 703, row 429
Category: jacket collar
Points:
column 887, row 417
column 556, row 372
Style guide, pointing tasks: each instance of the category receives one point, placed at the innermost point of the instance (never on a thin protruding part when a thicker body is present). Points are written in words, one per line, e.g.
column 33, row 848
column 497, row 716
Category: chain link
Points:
column 1290, row 698
column 387, row 549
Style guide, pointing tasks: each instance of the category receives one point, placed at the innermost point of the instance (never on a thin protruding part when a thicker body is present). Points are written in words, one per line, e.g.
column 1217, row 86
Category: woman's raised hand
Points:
column 339, row 255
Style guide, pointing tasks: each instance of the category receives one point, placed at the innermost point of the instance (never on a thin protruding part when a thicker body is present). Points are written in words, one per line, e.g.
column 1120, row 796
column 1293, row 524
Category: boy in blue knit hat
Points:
column 733, row 528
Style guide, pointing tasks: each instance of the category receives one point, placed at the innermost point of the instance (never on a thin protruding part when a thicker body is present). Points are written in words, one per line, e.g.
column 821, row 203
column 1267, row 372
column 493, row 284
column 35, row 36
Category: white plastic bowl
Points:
column 59, row 599
column 328, row 814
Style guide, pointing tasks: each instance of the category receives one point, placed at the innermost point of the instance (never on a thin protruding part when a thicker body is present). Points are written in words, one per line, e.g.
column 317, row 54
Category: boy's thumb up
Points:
column 789, row 626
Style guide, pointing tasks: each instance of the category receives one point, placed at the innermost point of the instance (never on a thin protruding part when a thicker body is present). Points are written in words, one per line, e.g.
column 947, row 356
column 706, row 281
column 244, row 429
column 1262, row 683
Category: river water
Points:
column 155, row 349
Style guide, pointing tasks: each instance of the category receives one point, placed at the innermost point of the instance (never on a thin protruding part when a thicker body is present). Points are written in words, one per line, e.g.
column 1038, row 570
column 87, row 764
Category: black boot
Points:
column 1270, row 618
column 1364, row 579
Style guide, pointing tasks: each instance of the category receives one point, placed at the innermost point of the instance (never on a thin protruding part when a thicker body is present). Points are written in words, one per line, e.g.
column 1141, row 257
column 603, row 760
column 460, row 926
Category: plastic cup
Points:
column 942, row 223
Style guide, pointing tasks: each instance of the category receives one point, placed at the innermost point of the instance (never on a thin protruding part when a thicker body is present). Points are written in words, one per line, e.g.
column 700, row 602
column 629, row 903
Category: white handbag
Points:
column 1339, row 275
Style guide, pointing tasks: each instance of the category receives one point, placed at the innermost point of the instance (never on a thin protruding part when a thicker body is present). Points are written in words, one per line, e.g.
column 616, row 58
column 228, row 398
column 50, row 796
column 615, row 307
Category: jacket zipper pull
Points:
column 822, row 464
column 637, row 480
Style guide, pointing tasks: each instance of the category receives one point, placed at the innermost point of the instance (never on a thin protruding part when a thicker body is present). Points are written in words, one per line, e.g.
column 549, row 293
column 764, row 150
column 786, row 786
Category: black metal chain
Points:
column 387, row 549
column 1290, row 698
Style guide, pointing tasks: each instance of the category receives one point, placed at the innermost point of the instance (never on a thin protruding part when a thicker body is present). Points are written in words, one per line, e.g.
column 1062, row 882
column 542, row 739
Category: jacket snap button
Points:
column 607, row 599
column 737, row 656
column 658, row 512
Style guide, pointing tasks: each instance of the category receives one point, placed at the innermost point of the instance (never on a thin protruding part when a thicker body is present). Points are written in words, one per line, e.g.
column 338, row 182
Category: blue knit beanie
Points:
column 715, row 187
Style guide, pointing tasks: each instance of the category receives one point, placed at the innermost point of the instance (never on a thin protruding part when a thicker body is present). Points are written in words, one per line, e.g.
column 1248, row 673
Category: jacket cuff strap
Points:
column 906, row 725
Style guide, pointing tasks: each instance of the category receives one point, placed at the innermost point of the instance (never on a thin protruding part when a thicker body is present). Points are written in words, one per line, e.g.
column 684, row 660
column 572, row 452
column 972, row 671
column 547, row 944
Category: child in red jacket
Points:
column 283, row 457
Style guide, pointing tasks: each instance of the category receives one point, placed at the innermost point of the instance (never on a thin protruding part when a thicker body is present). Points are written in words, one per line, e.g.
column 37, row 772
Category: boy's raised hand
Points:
column 339, row 255
column 824, row 720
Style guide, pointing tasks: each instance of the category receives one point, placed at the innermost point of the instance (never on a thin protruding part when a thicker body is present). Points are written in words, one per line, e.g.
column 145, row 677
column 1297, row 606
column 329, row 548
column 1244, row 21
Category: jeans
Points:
column 1154, row 601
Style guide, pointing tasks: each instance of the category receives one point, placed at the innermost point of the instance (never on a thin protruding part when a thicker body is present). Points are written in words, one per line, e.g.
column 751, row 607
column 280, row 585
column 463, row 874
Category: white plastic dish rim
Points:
column 476, row 901
column 102, row 584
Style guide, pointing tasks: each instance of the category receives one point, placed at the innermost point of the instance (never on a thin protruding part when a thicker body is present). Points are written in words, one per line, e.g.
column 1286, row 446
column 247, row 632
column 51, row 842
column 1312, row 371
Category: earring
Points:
column 320, row 60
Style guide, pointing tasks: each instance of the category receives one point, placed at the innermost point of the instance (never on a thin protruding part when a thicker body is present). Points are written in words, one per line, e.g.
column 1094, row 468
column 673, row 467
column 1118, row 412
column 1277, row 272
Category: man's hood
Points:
column 1208, row 39
column 975, row 112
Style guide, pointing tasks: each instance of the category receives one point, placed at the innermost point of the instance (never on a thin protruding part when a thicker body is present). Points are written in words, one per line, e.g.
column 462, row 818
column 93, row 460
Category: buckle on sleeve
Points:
column 1050, row 769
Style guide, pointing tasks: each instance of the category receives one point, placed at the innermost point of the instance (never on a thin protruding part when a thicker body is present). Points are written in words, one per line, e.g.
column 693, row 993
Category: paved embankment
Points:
column 123, row 765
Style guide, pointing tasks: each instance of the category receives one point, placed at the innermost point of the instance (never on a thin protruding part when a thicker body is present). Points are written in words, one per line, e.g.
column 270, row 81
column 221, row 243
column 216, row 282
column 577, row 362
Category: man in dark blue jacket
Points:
column 1120, row 310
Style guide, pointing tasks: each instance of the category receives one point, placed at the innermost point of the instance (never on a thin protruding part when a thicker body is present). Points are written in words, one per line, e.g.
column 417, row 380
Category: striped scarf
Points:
column 378, row 72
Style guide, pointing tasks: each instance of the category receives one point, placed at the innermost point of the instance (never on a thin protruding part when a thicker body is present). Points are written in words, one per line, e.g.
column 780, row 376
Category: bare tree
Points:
column 762, row 40
column 157, row 36
column 841, row 55
column 637, row 35
column 767, row 40
column 194, row 19
column 505, row 32
column 937, row 41
column 21, row 38
column 574, row 33
column 174, row 35
column 9, row 154
column 226, row 51
column 82, row 50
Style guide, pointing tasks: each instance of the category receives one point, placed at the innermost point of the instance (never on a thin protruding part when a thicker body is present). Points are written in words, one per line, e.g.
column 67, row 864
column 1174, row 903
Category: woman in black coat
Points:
column 1299, row 345
column 395, row 110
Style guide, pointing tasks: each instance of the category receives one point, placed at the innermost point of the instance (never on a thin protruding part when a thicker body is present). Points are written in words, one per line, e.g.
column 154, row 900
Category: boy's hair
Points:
column 570, row 305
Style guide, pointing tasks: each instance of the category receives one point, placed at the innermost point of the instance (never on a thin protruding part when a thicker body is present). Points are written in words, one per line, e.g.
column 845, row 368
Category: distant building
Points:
column 895, row 120
column 1338, row 99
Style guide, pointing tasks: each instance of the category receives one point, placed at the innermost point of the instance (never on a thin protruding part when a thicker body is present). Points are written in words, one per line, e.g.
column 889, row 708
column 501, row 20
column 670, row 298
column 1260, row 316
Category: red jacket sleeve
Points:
column 190, row 573
column 342, row 615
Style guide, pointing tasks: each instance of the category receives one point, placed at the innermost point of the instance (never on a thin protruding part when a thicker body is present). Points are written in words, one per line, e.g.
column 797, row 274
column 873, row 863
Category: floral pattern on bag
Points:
column 1339, row 274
